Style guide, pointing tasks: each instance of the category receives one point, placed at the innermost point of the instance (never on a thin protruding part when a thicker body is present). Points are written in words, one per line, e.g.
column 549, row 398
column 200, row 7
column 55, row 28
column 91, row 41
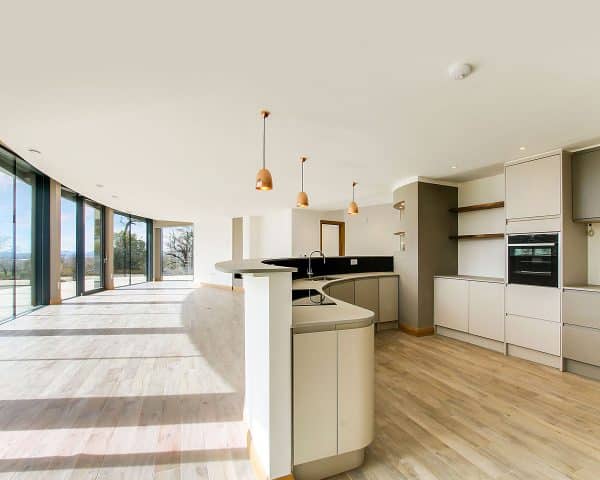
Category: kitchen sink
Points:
column 323, row 278
column 309, row 297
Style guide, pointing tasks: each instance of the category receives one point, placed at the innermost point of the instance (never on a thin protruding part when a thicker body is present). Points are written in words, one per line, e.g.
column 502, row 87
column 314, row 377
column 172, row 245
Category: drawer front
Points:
column 581, row 344
column 538, row 225
column 535, row 302
column 581, row 308
column 540, row 335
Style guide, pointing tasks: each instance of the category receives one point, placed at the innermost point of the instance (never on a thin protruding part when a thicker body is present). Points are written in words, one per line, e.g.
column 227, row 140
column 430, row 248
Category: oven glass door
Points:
column 533, row 264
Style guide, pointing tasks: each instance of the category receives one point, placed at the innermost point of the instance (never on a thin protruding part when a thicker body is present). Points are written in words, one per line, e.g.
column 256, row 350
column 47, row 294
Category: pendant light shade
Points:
column 264, row 180
column 302, row 198
column 353, row 207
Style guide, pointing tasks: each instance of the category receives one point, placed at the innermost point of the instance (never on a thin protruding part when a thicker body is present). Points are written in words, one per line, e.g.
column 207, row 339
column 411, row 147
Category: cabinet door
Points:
column 486, row 310
column 366, row 295
column 343, row 291
column 533, row 301
column 585, row 168
column 356, row 388
column 388, row 299
column 315, row 396
column 451, row 303
column 533, row 189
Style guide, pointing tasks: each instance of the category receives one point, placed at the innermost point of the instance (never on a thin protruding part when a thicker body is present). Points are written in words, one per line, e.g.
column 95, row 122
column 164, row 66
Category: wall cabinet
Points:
column 366, row 295
column 334, row 388
column 533, row 188
column 470, row 306
column 585, row 168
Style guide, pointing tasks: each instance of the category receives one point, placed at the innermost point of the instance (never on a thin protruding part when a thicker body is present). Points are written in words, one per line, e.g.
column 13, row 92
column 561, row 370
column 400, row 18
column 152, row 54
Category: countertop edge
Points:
column 472, row 278
column 254, row 265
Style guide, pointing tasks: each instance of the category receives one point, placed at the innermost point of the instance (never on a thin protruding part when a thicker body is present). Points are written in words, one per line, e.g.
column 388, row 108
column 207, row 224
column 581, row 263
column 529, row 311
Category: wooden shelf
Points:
column 479, row 236
column 481, row 206
column 399, row 233
column 399, row 205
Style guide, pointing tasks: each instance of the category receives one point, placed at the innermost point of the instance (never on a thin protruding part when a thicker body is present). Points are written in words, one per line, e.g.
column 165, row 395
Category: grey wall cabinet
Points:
column 585, row 169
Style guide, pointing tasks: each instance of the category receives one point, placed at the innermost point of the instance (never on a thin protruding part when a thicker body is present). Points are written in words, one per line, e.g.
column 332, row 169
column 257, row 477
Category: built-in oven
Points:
column 533, row 259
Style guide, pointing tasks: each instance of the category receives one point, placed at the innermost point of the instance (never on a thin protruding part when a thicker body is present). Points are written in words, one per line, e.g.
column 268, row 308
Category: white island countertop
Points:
column 342, row 315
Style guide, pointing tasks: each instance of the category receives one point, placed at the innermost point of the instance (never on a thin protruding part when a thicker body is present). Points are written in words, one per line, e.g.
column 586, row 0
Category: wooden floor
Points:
column 450, row 410
column 147, row 382
column 136, row 383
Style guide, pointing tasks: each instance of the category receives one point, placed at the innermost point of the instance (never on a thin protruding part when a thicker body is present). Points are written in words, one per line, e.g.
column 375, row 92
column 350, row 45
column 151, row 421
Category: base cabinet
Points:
column 334, row 388
column 470, row 306
column 388, row 299
column 366, row 295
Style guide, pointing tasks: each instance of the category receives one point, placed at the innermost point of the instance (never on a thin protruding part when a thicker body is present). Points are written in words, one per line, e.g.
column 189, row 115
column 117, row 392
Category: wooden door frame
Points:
column 341, row 235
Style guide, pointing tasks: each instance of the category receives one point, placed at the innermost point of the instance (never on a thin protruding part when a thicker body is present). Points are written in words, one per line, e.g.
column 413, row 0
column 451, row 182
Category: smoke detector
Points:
column 458, row 71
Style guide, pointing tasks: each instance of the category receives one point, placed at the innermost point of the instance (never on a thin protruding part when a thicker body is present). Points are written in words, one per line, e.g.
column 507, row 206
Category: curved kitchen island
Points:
column 331, row 355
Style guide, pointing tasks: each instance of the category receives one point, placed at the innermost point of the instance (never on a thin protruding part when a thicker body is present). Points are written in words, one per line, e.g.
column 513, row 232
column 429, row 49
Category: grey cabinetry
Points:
column 343, row 291
column 581, row 332
column 366, row 295
column 586, row 178
column 388, row 299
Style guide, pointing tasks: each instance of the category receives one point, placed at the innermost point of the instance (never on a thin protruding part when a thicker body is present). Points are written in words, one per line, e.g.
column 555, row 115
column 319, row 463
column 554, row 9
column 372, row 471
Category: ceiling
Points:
column 159, row 101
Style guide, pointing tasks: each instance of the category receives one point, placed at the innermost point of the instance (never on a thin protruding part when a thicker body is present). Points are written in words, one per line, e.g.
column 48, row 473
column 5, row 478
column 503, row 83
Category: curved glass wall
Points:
column 93, row 247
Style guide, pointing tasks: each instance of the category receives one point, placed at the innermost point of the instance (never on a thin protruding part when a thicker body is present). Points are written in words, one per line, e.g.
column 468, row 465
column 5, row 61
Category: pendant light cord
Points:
column 302, row 182
column 264, row 137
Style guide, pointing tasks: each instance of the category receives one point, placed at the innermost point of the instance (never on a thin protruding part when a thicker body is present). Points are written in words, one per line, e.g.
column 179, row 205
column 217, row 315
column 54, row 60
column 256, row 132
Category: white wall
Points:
column 306, row 229
column 481, row 257
column 212, row 244
column 371, row 232
column 269, row 235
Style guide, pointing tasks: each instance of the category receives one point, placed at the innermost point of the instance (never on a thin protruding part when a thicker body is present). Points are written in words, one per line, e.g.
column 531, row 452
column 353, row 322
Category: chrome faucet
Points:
column 309, row 271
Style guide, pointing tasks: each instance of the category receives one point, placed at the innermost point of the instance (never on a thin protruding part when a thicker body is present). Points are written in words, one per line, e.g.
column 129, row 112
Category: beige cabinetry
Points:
column 451, row 303
column 471, row 306
column 334, row 387
column 315, row 396
column 343, row 291
column 486, row 310
column 388, row 299
column 533, row 188
column 356, row 384
column 581, row 332
column 533, row 318
column 366, row 295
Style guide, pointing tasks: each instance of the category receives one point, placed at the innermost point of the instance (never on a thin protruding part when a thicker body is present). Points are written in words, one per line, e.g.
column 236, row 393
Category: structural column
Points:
column 109, row 248
column 54, row 241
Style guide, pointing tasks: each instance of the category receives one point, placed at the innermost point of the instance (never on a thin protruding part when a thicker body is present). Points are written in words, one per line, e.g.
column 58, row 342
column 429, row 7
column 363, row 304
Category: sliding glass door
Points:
column 68, row 244
column 93, row 250
column 130, row 243
column 18, row 261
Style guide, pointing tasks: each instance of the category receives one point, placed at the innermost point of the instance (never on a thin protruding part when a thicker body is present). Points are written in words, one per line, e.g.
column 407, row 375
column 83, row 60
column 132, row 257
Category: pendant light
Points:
column 302, row 198
column 353, row 207
column 264, row 181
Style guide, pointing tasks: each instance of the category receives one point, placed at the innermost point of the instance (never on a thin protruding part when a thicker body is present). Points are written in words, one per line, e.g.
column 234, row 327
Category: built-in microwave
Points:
column 533, row 259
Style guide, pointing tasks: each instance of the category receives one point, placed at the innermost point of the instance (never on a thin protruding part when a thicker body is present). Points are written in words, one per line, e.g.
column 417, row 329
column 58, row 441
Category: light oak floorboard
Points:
column 450, row 410
column 135, row 383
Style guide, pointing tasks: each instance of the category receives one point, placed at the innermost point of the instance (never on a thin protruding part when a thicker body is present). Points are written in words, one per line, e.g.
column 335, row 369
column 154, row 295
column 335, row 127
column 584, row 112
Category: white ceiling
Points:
column 160, row 101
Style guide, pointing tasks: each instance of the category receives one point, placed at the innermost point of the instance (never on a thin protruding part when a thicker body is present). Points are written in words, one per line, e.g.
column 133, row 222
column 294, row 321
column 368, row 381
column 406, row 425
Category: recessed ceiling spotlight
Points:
column 99, row 185
column 521, row 148
column 459, row 71
column 33, row 150
column 115, row 196
column 453, row 167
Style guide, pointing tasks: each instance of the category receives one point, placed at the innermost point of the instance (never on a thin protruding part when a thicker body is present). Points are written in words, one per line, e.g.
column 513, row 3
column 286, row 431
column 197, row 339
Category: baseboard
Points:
column 483, row 342
column 547, row 359
column 222, row 287
column 257, row 467
column 417, row 332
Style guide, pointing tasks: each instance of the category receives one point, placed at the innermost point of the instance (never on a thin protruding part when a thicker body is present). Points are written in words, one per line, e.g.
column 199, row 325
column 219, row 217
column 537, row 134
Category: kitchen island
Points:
column 319, row 419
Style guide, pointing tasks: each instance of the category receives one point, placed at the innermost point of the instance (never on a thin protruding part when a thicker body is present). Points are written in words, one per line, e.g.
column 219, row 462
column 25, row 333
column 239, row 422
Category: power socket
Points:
column 354, row 261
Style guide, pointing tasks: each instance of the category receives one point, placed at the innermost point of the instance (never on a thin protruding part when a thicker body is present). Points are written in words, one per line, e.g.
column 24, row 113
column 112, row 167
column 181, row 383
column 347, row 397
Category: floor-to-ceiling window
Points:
column 68, row 244
column 18, row 260
column 93, row 250
column 176, row 253
column 130, row 243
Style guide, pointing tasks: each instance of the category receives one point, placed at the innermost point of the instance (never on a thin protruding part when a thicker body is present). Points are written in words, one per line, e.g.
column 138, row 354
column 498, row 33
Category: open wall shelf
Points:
column 481, row 206
column 479, row 236
column 399, row 205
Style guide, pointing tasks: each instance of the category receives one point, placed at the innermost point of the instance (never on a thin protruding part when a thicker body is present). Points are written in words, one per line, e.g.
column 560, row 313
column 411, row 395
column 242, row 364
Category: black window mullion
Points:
column 80, row 246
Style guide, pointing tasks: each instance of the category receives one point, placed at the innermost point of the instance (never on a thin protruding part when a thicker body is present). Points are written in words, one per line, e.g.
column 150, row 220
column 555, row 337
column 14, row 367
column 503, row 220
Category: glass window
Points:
column 6, row 236
column 130, row 242
column 24, row 261
column 176, row 253
column 93, row 255
column 68, row 245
